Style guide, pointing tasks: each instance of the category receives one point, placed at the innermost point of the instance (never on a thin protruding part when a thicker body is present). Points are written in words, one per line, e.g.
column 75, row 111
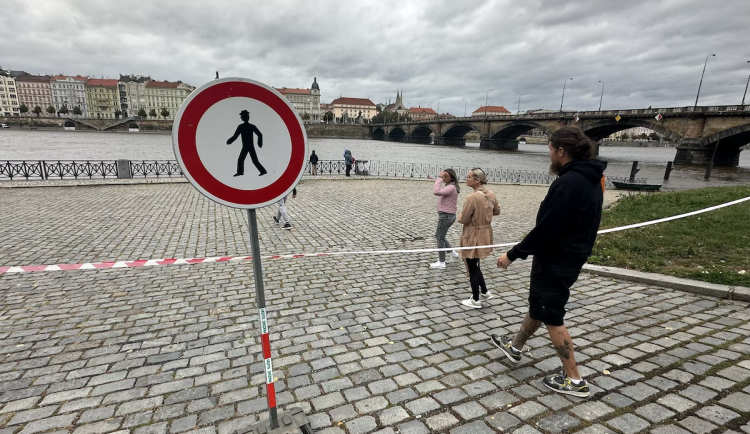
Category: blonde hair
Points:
column 479, row 175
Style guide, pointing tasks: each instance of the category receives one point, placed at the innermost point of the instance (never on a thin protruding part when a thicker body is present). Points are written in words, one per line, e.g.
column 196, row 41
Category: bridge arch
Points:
column 69, row 124
column 378, row 134
column 134, row 126
column 458, row 131
column 732, row 138
column 397, row 134
column 422, row 134
column 598, row 130
column 514, row 129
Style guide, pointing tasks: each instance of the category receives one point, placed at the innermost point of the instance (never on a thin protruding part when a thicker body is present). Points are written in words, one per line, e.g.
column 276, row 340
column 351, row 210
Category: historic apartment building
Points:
column 8, row 96
column 103, row 98
column 132, row 89
column 305, row 101
column 421, row 113
column 34, row 91
column 348, row 109
column 164, row 97
column 491, row 110
column 69, row 91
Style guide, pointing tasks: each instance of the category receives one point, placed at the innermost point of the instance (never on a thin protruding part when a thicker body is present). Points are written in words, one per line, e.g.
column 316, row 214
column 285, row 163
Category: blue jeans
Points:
column 445, row 221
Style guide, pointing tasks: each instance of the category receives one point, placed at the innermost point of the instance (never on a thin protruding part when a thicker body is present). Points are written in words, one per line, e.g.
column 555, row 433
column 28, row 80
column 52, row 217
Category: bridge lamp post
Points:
column 486, row 101
column 601, row 97
column 519, row 103
column 563, row 95
column 438, row 110
column 743, row 99
column 748, row 83
column 701, row 83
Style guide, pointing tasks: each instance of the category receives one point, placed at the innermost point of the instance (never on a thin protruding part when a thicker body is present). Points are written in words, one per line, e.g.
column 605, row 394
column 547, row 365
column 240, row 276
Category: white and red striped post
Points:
column 261, row 299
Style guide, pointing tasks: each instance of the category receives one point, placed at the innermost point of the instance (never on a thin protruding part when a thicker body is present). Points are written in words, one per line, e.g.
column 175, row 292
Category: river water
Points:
column 83, row 145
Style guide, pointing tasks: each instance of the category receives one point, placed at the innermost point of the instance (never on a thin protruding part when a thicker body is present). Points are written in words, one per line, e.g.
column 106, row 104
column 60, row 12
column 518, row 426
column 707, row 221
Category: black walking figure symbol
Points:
column 247, row 129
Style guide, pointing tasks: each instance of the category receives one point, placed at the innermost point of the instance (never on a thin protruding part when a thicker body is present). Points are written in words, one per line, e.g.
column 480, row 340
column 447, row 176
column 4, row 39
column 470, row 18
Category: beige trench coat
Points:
column 476, row 216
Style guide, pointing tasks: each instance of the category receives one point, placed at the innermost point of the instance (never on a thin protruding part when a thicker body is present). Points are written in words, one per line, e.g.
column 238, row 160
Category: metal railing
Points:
column 31, row 170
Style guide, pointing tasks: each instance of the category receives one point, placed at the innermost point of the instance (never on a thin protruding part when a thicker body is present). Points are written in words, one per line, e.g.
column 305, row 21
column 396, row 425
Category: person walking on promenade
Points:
column 561, row 243
column 281, row 213
column 246, row 130
column 348, row 160
column 313, row 164
column 476, row 216
column 446, row 209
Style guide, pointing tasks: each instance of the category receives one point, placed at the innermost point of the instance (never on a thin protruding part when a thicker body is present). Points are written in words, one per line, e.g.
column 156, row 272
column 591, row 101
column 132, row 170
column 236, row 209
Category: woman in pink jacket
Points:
column 446, row 208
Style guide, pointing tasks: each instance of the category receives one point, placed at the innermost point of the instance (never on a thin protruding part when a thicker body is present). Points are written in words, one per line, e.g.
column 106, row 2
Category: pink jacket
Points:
column 447, row 197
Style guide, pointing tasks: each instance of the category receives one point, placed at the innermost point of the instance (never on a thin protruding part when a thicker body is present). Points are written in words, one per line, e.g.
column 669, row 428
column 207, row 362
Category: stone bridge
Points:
column 696, row 131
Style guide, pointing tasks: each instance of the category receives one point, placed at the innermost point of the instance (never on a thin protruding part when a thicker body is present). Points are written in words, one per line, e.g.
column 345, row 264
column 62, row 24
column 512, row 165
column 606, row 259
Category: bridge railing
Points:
column 33, row 170
column 587, row 113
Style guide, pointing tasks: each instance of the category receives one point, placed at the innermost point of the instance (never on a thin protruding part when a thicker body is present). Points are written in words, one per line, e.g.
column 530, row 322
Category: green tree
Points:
column 37, row 111
column 152, row 113
column 385, row 117
column 77, row 111
column 51, row 110
column 64, row 109
column 328, row 117
column 117, row 113
column 124, row 114
column 306, row 117
column 643, row 136
column 23, row 109
column 655, row 137
column 624, row 136
column 142, row 113
column 164, row 112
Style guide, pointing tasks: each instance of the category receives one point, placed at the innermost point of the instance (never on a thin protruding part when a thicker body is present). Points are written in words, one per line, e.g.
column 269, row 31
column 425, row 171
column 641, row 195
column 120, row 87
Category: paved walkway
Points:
column 362, row 344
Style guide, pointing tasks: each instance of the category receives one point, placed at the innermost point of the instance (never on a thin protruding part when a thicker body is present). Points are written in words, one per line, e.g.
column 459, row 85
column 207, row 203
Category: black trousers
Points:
column 348, row 169
column 476, row 278
column 253, row 156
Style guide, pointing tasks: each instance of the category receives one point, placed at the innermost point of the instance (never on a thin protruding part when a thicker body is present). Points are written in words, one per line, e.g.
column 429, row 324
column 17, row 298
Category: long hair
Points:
column 454, row 179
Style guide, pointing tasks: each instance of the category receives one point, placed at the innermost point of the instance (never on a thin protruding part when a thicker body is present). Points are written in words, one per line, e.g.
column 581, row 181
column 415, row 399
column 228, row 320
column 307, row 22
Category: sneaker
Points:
column 276, row 219
column 560, row 383
column 486, row 296
column 437, row 264
column 454, row 255
column 505, row 344
column 471, row 303
column 287, row 226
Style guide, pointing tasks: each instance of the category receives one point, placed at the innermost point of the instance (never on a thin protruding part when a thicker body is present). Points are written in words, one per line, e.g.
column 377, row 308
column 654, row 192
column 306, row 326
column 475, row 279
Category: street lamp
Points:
column 438, row 110
column 486, row 101
column 601, row 97
column 743, row 99
column 745, row 94
column 563, row 95
column 699, row 84
column 519, row 103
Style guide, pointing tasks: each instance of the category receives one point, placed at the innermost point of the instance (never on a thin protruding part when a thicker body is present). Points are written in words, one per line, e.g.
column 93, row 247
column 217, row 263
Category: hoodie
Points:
column 568, row 217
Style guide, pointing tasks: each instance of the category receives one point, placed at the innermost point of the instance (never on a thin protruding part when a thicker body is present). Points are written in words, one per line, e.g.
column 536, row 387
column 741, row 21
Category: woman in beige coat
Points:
column 476, row 216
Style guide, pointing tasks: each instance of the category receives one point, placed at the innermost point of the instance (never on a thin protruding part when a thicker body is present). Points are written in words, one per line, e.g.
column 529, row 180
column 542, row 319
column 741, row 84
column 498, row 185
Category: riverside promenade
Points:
column 363, row 344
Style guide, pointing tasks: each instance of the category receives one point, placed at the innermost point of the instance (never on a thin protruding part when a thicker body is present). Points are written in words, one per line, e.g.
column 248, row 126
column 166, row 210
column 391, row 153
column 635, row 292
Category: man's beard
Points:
column 554, row 167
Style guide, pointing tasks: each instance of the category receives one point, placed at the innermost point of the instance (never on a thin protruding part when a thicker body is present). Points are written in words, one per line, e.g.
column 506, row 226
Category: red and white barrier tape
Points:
column 162, row 262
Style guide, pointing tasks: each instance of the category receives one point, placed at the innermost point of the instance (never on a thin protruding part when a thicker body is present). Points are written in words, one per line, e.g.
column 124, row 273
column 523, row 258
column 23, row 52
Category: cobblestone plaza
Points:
column 363, row 344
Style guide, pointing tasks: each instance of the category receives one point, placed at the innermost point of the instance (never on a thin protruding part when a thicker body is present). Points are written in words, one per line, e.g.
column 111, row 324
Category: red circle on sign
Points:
column 193, row 166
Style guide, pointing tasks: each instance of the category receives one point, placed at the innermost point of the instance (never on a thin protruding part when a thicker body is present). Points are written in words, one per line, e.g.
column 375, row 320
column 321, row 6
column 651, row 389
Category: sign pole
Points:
column 261, row 299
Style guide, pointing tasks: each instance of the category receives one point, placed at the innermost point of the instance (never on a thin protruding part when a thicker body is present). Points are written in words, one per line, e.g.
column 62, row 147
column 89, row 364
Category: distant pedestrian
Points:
column 281, row 213
column 446, row 210
column 476, row 216
column 313, row 164
column 561, row 243
column 348, row 160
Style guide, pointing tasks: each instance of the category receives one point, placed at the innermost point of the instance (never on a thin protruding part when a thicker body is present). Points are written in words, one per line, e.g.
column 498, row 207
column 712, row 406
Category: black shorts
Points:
column 550, row 289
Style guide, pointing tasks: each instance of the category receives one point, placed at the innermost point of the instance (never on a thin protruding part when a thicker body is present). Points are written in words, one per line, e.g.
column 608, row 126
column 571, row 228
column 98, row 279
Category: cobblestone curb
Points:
column 739, row 293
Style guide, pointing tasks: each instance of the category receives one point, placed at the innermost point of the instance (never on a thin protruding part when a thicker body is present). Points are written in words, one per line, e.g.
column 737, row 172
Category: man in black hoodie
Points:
column 561, row 243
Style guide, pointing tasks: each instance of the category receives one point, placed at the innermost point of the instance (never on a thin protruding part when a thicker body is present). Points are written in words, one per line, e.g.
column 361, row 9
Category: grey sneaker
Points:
column 505, row 344
column 560, row 383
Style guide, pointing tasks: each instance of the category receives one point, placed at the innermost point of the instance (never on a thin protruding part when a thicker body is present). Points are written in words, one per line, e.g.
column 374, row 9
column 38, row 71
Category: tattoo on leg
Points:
column 528, row 328
column 564, row 350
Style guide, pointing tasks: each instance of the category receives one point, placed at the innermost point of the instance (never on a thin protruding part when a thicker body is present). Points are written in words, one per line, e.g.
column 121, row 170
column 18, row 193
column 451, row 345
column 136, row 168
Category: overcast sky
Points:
column 648, row 53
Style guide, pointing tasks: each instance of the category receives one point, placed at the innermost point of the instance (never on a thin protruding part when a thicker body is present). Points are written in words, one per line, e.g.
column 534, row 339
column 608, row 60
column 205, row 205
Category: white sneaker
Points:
column 471, row 303
column 487, row 296
column 454, row 255
column 437, row 264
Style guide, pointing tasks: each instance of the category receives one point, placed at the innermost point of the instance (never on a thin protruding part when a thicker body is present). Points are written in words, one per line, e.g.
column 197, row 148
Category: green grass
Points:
column 711, row 247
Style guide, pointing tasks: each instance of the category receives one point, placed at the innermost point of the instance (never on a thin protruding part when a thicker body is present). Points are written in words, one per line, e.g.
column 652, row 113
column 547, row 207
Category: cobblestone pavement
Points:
column 362, row 344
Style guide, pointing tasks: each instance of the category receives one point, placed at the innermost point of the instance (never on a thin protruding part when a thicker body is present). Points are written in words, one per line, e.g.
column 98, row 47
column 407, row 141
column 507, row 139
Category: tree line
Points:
column 64, row 110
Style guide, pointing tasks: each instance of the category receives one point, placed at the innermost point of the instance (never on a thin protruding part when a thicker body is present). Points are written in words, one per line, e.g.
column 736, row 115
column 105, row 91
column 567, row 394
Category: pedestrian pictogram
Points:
column 205, row 137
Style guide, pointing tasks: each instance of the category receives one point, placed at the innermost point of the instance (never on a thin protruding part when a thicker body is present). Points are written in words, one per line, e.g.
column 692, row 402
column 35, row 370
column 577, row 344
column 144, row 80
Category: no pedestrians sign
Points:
column 240, row 143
